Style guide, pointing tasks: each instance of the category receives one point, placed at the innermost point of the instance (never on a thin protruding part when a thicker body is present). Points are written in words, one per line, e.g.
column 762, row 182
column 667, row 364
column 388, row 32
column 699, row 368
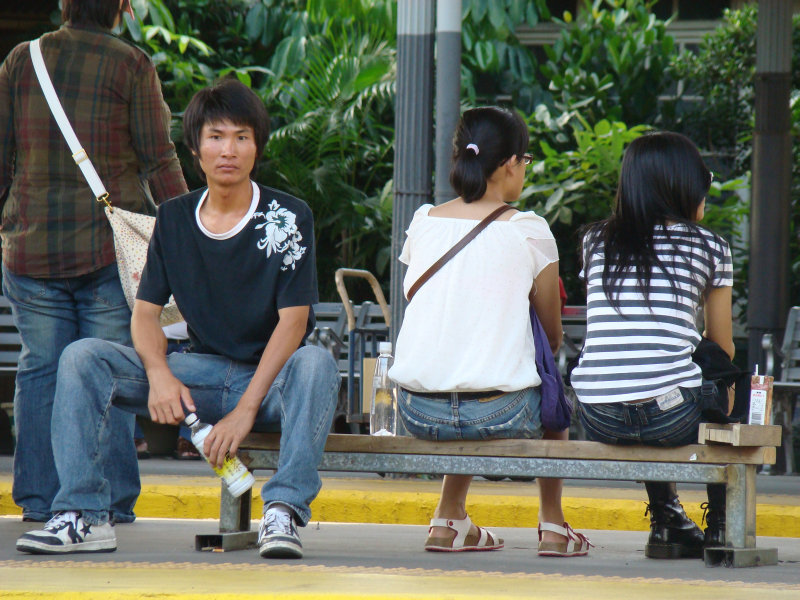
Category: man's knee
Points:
column 82, row 355
column 317, row 363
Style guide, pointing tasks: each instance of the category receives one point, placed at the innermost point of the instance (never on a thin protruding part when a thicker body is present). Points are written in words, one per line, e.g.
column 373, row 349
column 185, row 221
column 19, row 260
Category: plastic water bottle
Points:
column 383, row 409
column 233, row 472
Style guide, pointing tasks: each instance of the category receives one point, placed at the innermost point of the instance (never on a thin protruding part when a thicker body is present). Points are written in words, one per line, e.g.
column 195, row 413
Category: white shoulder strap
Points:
column 78, row 153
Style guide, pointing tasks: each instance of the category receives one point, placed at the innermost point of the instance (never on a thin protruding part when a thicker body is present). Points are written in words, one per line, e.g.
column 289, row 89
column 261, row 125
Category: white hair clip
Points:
column 474, row 148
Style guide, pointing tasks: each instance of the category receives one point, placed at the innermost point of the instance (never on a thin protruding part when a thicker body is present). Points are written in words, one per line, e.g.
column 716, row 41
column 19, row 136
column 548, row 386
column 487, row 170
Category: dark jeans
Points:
column 644, row 423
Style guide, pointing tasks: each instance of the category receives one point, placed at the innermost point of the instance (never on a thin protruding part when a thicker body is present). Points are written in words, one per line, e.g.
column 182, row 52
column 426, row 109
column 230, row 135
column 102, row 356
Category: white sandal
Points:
column 577, row 544
column 462, row 542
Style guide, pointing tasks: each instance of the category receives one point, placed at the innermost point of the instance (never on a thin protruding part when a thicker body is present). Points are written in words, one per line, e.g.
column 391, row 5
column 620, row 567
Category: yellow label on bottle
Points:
column 383, row 396
column 231, row 469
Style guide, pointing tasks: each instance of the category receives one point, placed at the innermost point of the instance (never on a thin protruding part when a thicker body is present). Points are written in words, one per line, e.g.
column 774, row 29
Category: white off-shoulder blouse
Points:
column 467, row 328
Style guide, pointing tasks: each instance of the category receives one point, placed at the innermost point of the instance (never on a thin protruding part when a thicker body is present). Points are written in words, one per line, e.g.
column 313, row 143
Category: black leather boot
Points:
column 672, row 533
column 714, row 516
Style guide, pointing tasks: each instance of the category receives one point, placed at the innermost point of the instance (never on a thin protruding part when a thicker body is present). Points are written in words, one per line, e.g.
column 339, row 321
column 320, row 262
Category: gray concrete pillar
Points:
column 413, row 149
column 448, row 91
column 772, row 172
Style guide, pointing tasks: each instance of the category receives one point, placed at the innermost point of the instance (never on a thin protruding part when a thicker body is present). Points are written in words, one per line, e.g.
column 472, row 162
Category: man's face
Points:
column 227, row 153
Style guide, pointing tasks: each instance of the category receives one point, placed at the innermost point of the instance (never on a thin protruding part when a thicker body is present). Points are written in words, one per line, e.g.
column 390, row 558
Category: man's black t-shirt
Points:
column 229, row 287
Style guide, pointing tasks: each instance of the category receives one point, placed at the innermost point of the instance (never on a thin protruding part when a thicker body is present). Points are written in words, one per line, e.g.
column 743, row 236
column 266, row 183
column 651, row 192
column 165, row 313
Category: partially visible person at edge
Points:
column 479, row 381
column 59, row 270
column 649, row 270
column 239, row 259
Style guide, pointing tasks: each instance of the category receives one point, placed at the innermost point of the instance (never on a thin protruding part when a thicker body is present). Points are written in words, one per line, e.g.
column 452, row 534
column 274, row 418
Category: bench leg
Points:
column 787, row 421
column 740, row 524
column 782, row 413
column 234, row 525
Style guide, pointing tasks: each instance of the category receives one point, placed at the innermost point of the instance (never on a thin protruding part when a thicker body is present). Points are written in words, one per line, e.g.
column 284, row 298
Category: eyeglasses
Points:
column 527, row 158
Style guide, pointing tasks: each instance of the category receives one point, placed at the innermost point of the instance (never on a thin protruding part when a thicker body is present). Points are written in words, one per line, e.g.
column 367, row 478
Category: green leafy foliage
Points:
column 722, row 74
column 576, row 186
column 494, row 63
column 571, row 188
column 727, row 213
column 612, row 63
column 178, row 53
column 325, row 69
column 334, row 148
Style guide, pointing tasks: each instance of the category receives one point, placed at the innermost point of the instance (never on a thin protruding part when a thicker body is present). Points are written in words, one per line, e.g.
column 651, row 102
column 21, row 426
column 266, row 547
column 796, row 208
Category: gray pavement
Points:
column 367, row 546
column 156, row 557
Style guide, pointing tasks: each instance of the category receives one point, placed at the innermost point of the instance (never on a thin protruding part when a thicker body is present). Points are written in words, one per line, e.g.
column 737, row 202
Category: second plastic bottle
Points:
column 383, row 409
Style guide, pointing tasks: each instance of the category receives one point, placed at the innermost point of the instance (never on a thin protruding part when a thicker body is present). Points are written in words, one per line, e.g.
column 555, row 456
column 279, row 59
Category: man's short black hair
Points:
column 226, row 100
column 102, row 13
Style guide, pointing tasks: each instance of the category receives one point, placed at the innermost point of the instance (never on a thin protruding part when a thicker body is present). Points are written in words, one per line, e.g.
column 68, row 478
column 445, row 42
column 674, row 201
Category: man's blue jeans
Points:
column 93, row 375
column 50, row 314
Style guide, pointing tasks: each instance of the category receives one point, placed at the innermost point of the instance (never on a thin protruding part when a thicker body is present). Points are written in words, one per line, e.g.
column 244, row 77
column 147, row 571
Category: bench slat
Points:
column 529, row 448
column 503, row 466
column 780, row 386
column 739, row 434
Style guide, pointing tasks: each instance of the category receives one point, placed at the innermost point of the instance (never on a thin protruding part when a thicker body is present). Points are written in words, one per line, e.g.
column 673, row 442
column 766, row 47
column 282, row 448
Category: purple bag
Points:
column 556, row 409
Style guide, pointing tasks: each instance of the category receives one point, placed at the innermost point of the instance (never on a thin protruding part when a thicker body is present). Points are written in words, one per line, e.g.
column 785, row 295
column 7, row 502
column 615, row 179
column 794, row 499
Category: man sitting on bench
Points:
column 239, row 259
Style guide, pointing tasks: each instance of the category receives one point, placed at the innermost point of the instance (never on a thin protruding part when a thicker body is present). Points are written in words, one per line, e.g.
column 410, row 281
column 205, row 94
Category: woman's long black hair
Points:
column 663, row 179
column 493, row 135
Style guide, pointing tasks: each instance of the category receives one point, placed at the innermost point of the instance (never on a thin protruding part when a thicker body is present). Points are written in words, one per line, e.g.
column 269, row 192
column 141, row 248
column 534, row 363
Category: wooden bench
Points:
column 735, row 466
column 787, row 385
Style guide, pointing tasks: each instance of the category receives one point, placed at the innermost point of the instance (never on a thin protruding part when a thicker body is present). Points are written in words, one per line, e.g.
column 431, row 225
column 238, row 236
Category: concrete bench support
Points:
column 234, row 525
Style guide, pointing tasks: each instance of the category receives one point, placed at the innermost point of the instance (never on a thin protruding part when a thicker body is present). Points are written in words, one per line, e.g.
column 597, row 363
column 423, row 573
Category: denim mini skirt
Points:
column 509, row 415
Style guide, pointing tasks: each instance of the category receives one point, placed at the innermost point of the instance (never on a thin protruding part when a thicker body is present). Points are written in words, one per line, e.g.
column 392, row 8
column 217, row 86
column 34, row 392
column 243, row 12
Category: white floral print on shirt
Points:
column 281, row 235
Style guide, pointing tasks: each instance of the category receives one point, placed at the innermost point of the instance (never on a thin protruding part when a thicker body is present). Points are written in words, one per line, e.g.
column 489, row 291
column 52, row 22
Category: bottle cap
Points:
column 190, row 419
column 385, row 347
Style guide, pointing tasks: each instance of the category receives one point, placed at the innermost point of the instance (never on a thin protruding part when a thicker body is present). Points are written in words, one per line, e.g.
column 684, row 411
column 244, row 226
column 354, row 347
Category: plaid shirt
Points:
column 51, row 224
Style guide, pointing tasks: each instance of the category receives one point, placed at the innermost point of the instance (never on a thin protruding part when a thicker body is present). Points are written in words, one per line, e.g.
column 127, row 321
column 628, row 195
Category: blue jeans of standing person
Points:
column 93, row 375
column 645, row 422
column 50, row 314
column 512, row 415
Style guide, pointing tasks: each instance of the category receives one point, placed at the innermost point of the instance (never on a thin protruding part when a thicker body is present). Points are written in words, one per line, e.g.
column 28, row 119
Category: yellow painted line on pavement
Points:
column 85, row 580
column 364, row 503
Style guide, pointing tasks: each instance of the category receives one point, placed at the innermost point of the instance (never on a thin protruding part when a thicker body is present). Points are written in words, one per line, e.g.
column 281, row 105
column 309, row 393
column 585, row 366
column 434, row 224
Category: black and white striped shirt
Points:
column 644, row 351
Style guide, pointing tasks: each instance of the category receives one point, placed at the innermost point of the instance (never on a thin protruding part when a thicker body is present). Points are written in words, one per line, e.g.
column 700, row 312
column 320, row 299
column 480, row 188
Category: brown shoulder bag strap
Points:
column 456, row 249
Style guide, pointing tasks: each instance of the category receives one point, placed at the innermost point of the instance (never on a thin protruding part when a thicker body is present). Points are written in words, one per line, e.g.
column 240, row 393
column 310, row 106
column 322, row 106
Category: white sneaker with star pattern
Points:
column 67, row 532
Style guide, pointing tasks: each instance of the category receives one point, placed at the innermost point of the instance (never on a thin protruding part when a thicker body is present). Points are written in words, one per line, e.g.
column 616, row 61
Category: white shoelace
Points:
column 278, row 520
column 58, row 520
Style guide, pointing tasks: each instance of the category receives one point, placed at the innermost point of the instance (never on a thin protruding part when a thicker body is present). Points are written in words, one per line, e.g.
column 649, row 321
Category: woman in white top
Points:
column 465, row 352
column 648, row 269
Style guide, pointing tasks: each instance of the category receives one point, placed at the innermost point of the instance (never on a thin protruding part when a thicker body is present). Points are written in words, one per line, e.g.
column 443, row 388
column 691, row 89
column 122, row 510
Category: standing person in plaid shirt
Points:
column 59, row 270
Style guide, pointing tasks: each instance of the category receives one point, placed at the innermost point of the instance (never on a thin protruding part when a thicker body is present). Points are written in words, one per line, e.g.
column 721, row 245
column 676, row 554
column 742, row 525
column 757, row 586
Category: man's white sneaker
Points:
column 67, row 532
column 277, row 535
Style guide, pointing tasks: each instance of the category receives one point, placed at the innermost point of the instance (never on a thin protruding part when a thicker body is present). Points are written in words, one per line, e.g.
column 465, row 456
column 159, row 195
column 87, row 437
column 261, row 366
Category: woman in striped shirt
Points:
column 649, row 269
